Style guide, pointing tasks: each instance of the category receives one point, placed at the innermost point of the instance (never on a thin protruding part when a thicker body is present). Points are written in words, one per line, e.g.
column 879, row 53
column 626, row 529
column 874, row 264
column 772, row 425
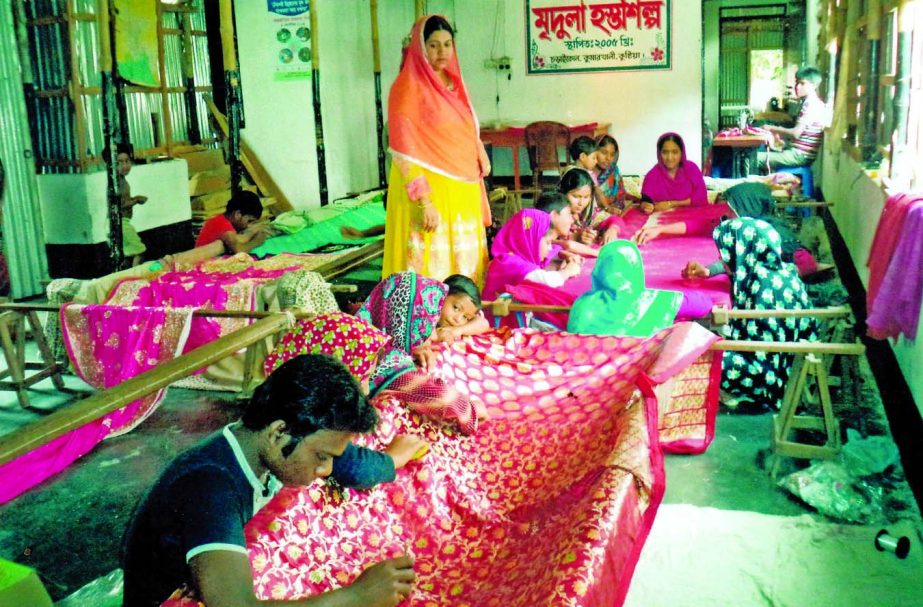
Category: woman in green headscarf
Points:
column 618, row 302
column 751, row 249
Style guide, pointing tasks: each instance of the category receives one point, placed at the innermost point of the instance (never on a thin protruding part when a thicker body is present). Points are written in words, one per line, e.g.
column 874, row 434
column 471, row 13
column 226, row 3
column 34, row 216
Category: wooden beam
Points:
column 255, row 168
column 721, row 314
column 43, row 431
column 801, row 347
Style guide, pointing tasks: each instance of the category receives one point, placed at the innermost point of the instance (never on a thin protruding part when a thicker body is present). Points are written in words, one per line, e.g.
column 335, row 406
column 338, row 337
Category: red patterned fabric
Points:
column 549, row 504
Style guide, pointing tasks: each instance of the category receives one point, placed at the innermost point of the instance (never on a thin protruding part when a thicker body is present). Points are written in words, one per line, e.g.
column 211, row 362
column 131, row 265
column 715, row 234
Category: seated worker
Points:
column 591, row 225
column 584, row 155
column 357, row 345
column 618, row 303
column 609, row 177
column 419, row 312
column 132, row 245
column 674, row 181
column 523, row 250
column 747, row 199
column 558, row 207
column 801, row 142
column 239, row 227
column 760, row 280
column 189, row 527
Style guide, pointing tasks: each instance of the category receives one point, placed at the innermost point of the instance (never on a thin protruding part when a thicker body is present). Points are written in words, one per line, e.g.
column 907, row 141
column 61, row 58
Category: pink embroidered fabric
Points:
column 549, row 504
column 107, row 346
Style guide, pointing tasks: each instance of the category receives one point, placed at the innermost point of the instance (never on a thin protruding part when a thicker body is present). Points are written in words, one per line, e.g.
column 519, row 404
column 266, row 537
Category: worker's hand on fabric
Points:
column 445, row 335
column 588, row 236
column 647, row 207
column 424, row 357
column 645, row 235
column 694, row 270
column 611, row 234
column 385, row 584
column 666, row 205
column 430, row 217
column 404, row 447
column 570, row 268
column 138, row 199
column 351, row 232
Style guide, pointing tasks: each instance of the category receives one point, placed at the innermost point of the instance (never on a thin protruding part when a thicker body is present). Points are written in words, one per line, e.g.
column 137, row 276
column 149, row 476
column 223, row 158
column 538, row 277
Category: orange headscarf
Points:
column 429, row 124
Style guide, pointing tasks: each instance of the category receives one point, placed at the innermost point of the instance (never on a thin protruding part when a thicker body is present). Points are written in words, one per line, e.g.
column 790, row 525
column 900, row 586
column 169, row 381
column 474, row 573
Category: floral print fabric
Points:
column 760, row 280
column 340, row 335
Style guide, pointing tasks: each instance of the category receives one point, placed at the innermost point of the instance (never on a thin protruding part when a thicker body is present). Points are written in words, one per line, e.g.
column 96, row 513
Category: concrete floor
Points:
column 70, row 527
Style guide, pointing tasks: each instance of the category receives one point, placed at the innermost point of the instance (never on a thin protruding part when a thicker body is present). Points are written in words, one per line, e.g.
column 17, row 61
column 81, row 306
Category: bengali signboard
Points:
column 291, row 29
column 564, row 37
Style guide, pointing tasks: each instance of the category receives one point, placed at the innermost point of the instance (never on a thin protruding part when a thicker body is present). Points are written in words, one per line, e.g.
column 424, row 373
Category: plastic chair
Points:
column 805, row 173
column 543, row 142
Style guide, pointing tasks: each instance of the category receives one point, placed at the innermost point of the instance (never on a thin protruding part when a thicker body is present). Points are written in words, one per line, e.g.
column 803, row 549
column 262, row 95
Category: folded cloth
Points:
column 889, row 230
column 896, row 308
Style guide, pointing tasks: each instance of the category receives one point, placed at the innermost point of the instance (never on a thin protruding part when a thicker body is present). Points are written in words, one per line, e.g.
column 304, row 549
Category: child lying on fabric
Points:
column 418, row 312
column 591, row 224
column 358, row 346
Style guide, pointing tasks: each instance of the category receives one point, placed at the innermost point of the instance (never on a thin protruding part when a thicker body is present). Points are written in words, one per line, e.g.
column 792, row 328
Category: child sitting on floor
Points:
column 592, row 225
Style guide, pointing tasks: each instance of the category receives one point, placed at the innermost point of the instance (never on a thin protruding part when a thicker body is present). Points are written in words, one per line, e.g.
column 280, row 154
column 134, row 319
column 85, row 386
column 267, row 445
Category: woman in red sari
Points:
column 437, row 206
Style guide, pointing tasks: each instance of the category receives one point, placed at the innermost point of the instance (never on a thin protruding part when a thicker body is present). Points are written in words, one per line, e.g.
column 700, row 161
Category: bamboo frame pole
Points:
column 502, row 309
column 110, row 130
column 902, row 158
column 57, row 424
column 873, row 34
column 801, row 347
column 419, row 9
column 232, row 90
column 315, row 99
column 376, row 69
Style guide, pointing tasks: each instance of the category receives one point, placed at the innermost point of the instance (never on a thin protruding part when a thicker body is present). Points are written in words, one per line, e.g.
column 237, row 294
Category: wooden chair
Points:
column 543, row 142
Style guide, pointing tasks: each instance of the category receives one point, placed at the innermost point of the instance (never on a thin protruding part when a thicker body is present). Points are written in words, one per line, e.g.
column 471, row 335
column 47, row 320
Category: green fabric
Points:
column 325, row 229
column 292, row 222
column 618, row 302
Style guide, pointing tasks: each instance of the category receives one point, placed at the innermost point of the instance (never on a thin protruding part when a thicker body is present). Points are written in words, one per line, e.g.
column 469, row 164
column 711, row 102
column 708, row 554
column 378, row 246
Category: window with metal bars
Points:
column 59, row 43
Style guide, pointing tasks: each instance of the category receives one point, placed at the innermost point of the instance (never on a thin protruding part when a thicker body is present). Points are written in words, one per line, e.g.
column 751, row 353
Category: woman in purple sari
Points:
column 674, row 181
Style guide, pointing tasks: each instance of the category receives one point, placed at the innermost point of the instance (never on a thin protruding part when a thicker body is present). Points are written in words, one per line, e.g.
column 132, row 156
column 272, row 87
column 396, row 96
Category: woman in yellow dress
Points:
column 437, row 206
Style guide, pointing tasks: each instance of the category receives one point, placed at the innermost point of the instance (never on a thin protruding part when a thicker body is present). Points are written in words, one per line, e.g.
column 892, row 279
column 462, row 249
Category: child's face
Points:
column 240, row 222
column 544, row 245
column 457, row 310
column 587, row 161
column 562, row 221
column 605, row 156
column 804, row 88
column 123, row 163
column 579, row 199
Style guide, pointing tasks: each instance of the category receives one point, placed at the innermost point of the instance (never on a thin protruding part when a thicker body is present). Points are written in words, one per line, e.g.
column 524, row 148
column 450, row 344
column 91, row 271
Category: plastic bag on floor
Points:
column 833, row 491
column 105, row 591
column 867, row 456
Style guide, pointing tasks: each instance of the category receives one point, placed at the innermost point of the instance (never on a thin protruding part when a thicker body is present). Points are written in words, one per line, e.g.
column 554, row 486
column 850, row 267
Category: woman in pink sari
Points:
column 674, row 181
column 524, row 258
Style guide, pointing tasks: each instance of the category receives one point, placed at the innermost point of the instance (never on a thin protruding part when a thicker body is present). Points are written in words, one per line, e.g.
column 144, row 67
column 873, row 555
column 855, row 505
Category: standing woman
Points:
column 437, row 206
column 674, row 181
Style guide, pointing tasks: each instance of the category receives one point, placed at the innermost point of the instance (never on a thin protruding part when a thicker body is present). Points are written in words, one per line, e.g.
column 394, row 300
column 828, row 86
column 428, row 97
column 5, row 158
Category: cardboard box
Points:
column 204, row 160
column 20, row 586
column 206, row 182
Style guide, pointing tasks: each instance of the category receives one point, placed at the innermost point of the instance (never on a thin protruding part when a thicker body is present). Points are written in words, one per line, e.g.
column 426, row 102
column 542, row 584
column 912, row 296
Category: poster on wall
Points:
column 291, row 28
column 565, row 36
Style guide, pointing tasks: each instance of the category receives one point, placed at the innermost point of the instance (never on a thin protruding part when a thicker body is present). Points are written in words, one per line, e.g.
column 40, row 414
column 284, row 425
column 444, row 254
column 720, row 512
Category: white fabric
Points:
column 549, row 278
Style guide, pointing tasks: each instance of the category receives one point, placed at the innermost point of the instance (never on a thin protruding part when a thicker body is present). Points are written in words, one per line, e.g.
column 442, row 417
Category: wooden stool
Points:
column 13, row 341
column 805, row 366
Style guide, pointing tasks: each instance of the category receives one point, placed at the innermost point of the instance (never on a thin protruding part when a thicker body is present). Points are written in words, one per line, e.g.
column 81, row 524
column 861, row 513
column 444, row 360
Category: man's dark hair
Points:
column 809, row 73
column 551, row 202
column 436, row 23
column 120, row 148
column 310, row 392
column 460, row 284
column 581, row 145
column 247, row 202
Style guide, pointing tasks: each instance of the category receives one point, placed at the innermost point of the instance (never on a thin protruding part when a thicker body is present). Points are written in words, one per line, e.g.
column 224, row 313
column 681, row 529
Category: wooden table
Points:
column 740, row 147
column 515, row 135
